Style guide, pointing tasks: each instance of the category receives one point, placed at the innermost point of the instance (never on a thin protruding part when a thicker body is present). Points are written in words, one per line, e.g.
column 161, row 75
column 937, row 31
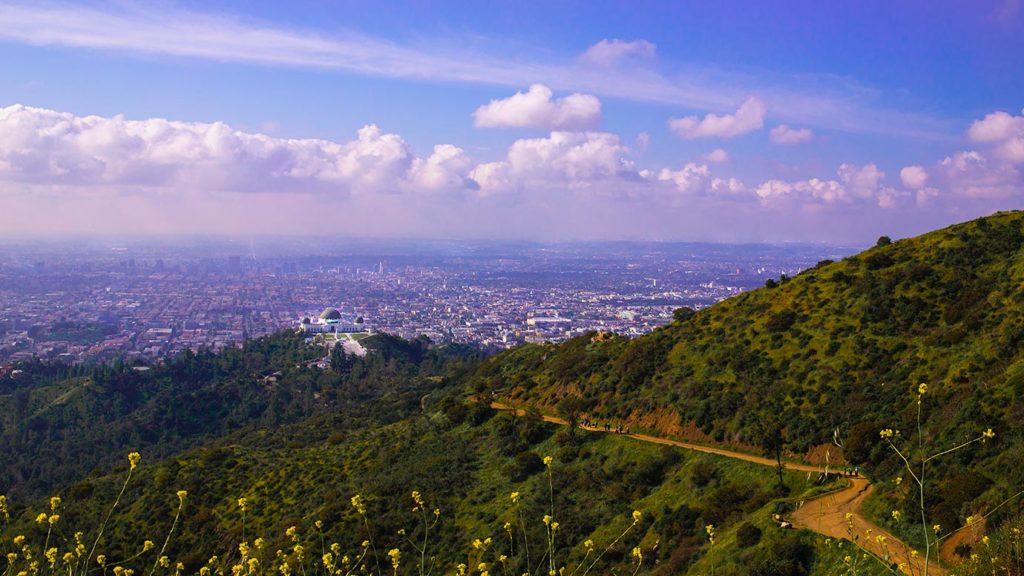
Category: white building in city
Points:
column 330, row 322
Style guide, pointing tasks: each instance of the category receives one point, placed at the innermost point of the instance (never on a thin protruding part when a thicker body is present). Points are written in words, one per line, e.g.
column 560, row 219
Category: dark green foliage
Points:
column 747, row 535
column 704, row 473
column 83, row 418
column 525, row 465
column 681, row 314
column 789, row 556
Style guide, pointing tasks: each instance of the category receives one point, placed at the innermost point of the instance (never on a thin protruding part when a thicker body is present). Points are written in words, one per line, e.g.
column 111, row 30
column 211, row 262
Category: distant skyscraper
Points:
column 380, row 268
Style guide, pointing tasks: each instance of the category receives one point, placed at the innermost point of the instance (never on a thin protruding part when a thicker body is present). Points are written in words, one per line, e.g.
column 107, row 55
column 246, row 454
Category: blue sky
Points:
column 729, row 121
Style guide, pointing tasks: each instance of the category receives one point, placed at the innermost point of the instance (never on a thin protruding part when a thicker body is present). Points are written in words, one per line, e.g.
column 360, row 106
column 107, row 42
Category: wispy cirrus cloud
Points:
column 161, row 30
column 610, row 52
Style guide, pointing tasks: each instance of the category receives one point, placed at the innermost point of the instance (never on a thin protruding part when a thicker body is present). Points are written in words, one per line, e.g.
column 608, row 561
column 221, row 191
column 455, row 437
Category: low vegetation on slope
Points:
column 831, row 355
column 486, row 474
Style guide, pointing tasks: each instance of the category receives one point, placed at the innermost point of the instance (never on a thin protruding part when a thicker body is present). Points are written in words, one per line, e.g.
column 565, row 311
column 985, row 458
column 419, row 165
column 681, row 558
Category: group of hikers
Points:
column 619, row 429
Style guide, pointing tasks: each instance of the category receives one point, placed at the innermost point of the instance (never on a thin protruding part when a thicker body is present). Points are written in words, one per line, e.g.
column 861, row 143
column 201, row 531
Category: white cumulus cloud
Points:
column 1004, row 132
column 717, row 156
column 971, row 173
column 914, row 177
column 853, row 183
column 42, row 146
column 747, row 118
column 783, row 134
column 536, row 108
column 608, row 52
column 563, row 160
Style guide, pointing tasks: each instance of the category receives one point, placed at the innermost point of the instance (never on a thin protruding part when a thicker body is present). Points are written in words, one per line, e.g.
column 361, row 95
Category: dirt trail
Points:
column 825, row 514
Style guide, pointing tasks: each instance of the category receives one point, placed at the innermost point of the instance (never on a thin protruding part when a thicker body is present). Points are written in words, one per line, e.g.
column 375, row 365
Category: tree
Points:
column 883, row 241
column 571, row 408
column 680, row 314
column 770, row 435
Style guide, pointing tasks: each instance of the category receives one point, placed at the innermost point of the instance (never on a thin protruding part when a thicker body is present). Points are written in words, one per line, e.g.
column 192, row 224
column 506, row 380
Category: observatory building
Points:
column 330, row 322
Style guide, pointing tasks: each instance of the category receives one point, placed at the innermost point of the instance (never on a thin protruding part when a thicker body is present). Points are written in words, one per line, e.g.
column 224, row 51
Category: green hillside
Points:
column 835, row 353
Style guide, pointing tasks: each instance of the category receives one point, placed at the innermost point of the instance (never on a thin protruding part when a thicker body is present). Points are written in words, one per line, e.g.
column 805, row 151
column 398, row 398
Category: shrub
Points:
column 704, row 473
column 524, row 465
column 748, row 535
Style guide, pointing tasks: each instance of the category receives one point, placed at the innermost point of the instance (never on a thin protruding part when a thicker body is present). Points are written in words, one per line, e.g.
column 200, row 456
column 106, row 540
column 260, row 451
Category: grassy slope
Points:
column 298, row 474
column 840, row 346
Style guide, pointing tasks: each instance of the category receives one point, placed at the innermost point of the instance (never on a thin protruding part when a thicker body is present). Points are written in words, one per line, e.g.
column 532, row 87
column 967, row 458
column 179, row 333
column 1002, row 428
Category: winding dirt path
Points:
column 825, row 514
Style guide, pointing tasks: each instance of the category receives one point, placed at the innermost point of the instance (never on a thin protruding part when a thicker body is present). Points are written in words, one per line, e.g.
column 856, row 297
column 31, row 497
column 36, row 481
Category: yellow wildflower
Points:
column 133, row 459
column 984, row 540
column 319, row 524
column 896, row 514
column 101, row 559
column 547, row 520
column 417, row 498
column 147, row 545
column 19, row 540
column 118, row 571
column 936, row 528
column 637, row 516
column 886, row 434
column 54, row 503
column 638, row 554
column 165, row 562
column 182, row 494
column 515, row 497
column 899, row 480
column 988, row 434
column 53, row 519
column 41, row 519
column 241, row 503
column 12, row 558
column 358, row 504
column 395, row 556
column 922, row 389
column 970, row 520
column 180, row 566
column 68, row 557
column 548, row 460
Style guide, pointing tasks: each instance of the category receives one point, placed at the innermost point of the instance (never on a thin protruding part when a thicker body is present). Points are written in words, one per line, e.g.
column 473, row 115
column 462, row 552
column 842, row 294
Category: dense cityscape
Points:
column 102, row 299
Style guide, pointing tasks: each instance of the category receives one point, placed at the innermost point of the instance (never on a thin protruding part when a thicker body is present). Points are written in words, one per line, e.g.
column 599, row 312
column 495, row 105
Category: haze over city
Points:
column 731, row 121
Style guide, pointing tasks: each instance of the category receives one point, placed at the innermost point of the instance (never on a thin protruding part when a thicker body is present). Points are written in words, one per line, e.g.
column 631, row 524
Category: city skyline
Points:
column 678, row 122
